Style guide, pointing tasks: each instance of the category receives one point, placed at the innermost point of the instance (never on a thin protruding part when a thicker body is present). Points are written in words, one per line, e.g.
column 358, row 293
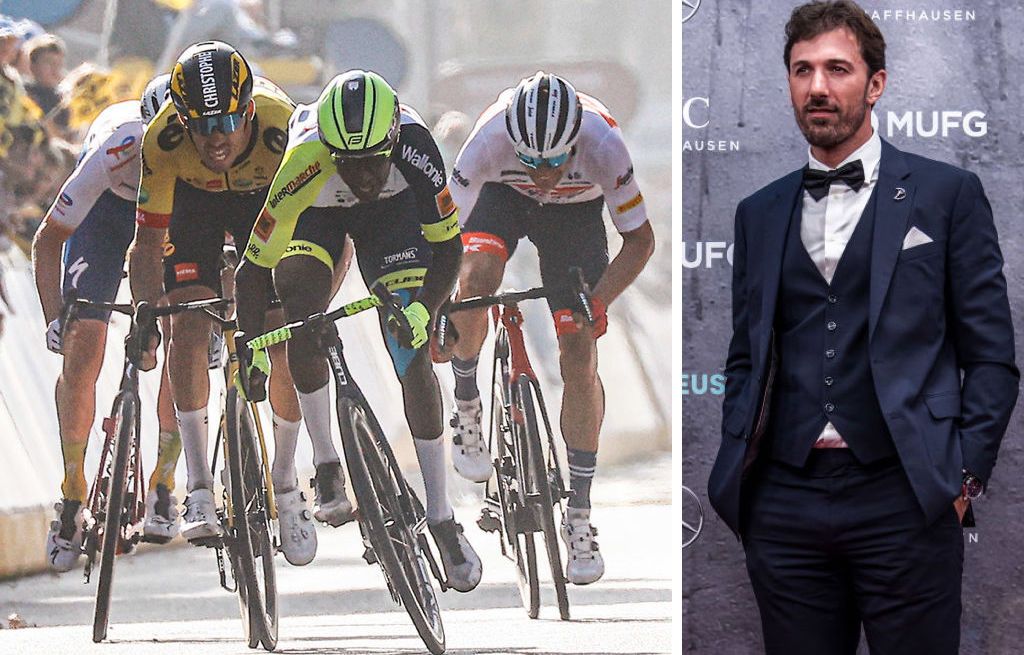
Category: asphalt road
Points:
column 168, row 600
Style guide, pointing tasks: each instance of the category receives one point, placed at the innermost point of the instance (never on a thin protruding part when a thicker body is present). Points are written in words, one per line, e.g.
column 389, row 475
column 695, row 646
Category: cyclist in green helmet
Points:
column 359, row 164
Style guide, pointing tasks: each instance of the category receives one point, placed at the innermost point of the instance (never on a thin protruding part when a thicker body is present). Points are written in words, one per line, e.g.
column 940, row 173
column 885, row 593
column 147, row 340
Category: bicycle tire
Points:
column 258, row 606
column 510, row 493
column 545, row 501
column 124, row 414
column 376, row 493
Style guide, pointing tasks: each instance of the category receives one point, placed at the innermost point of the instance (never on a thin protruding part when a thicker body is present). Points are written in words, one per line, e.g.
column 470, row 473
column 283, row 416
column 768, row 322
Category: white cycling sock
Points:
column 430, row 453
column 316, row 410
column 286, row 434
column 195, row 436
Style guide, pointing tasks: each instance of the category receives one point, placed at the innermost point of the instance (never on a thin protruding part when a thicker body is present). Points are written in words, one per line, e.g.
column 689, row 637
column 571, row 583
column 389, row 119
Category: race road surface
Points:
column 169, row 601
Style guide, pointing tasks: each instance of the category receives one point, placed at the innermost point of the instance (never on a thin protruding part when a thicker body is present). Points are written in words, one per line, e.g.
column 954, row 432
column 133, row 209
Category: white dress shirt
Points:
column 828, row 224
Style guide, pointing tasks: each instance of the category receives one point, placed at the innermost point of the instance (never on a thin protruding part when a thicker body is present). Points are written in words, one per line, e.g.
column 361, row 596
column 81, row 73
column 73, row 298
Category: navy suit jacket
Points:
column 940, row 337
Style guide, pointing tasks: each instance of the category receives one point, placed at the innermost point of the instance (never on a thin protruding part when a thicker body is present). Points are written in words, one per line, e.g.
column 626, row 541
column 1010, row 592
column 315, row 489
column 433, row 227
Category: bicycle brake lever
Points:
column 392, row 304
column 581, row 290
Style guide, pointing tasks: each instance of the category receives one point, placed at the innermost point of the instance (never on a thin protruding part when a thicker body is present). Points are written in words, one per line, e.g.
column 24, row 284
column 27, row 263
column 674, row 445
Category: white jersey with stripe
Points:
column 109, row 161
column 599, row 166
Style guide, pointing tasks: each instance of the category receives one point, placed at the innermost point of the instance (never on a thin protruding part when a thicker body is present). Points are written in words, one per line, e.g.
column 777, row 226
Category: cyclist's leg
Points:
column 567, row 236
column 93, row 265
column 421, row 394
column 303, row 279
column 161, row 521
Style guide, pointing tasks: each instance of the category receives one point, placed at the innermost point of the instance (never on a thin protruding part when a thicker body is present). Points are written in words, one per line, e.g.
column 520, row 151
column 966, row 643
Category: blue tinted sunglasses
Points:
column 226, row 123
column 536, row 162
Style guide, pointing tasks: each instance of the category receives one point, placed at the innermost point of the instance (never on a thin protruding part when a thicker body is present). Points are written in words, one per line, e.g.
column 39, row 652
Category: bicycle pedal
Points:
column 207, row 542
column 488, row 521
column 155, row 539
column 369, row 556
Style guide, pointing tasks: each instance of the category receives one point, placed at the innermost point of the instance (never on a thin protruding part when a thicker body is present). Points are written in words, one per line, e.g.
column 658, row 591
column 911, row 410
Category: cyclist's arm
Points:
column 629, row 214
column 153, row 215
column 73, row 203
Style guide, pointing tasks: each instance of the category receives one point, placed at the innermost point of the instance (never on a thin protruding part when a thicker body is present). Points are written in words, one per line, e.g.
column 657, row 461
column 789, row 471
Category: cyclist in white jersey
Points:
column 542, row 162
column 92, row 221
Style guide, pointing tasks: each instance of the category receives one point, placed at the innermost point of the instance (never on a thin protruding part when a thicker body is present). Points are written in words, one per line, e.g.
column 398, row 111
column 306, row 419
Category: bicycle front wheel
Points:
column 125, row 411
column 394, row 539
column 250, row 539
column 540, row 478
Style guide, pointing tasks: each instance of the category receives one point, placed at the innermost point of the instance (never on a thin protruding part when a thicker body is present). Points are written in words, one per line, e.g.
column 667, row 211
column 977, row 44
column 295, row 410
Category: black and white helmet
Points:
column 157, row 91
column 543, row 118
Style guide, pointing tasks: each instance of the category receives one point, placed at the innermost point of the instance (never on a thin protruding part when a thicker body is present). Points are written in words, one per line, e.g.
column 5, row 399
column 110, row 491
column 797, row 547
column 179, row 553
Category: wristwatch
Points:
column 972, row 486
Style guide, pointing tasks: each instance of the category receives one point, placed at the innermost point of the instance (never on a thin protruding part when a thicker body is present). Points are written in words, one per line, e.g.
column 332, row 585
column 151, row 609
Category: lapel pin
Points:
column 901, row 193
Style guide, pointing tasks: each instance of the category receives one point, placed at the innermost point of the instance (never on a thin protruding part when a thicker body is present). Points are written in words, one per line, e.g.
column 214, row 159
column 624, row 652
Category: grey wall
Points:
column 732, row 56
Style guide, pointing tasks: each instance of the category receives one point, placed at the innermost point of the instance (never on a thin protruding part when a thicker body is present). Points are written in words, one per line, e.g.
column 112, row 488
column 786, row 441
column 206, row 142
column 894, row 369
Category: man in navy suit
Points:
column 871, row 374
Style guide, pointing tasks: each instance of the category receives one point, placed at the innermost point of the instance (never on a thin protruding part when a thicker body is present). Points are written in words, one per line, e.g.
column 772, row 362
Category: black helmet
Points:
column 211, row 86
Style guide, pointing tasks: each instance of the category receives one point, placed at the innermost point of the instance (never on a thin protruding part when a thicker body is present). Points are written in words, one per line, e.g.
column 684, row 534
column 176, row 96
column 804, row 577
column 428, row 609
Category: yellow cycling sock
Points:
column 167, row 453
column 74, row 486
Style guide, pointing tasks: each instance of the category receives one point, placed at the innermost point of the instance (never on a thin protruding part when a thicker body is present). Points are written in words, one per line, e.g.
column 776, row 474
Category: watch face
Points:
column 973, row 487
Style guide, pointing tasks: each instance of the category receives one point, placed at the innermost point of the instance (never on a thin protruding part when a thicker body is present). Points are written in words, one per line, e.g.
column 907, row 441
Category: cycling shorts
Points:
column 389, row 246
column 566, row 236
column 94, row 254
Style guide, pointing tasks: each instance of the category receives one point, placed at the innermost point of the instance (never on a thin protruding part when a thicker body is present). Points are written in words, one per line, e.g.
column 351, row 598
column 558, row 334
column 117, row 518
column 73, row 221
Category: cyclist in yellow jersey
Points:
column 208, row 159
column 359, row 163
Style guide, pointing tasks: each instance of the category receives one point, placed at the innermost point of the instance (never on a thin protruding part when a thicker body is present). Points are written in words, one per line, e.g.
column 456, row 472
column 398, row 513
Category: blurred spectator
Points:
column 46, row 64
column 140, row 30
column 26, row 30
column 450, row 132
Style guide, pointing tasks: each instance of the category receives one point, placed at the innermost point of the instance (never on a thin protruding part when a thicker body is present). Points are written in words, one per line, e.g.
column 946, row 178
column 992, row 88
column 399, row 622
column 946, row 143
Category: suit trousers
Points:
column 836, row 546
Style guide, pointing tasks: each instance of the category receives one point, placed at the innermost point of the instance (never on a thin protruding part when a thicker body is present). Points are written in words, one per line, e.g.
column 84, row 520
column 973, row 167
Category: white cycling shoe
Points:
column 585, row 565
column 161, row 522
column 64, row 540
column 470, row 456
column 332, row 505
column 200, row 520
column 461, row 564
column 298, row 532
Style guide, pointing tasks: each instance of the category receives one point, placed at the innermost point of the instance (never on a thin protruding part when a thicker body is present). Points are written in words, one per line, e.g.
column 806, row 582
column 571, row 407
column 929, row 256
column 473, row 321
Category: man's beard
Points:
column 831, row 134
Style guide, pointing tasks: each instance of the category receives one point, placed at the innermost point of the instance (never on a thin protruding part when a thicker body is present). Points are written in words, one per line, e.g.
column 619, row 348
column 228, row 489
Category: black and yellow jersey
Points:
column 168, row 155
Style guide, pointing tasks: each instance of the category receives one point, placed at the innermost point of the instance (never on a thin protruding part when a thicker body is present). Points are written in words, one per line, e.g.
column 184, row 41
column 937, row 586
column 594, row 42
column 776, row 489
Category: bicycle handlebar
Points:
column 381, row 297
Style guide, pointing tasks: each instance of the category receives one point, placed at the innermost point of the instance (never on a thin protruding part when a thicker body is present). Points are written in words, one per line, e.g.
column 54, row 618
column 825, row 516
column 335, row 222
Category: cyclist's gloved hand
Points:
column 253, row 371
column 568, row 321
column 418, row 317
column 54, row 342
column 149, row 341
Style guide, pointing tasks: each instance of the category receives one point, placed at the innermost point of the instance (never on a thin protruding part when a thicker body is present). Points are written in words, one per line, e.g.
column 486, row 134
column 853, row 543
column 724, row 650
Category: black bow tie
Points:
column 817, row 182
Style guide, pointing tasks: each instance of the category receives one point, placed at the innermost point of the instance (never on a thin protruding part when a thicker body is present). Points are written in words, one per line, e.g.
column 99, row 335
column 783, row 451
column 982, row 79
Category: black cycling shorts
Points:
column 566, row 236
column 195, row 239
column 94, row 254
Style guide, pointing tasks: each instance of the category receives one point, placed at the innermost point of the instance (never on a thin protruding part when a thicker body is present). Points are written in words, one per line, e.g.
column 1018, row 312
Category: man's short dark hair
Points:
column 37, row 46
column 820, row 16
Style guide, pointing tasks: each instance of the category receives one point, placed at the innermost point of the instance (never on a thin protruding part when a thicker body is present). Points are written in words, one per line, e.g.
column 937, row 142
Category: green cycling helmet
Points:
column 357, row 115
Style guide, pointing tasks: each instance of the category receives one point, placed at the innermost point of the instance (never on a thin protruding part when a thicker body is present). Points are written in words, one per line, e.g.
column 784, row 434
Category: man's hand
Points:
column 253, row 372
column 419, row 320
column 568, row 321
column 54, row 343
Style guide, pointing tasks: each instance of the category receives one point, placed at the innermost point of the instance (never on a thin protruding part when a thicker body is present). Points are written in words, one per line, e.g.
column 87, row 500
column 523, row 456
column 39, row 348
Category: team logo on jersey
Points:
column 119, row 150
column 168, row 248
column 170, row 136
column 422, row 162
column 445, row 204
column 186, row 271
column 624, row 179
column 65, row 199
column 406, row 255
column 630, row 204
column 459, row 179
column 264, row 226
column 302, row 179
column 275, row 140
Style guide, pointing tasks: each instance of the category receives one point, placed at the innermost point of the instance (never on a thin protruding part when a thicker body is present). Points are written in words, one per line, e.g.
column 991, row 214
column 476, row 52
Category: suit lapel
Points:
column 779, row 218
column 894, row 198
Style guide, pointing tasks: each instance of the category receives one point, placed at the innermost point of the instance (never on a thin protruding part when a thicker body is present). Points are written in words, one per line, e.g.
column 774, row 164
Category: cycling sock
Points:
column 430, row 453
column 286, row 434
column 168, row 451
column 581, row 472
column 465, row 378
column 194, row 437
column 74, row 486
column 316, row 409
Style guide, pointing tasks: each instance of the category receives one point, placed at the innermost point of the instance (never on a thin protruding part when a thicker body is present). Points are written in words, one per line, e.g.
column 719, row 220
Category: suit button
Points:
column 832, row 299
column 829, row 408
column 830, row 353
column 831, row 325
column 829, row 380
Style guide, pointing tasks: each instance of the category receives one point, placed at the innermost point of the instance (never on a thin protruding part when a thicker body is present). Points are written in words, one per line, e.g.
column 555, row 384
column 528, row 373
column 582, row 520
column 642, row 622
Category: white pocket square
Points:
column 914, row 238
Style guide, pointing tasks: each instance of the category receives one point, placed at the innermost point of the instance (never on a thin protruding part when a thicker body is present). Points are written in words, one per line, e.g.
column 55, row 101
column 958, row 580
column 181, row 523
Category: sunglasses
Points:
column 537, row 162
column 343, row 157
column 226, row 123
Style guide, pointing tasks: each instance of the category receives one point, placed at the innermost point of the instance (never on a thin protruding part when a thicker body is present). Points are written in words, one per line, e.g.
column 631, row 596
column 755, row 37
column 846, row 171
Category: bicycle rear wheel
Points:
column 540, row 478
column 377, row 487
column 250, row 541
column 124, row 425
column 511, row 497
